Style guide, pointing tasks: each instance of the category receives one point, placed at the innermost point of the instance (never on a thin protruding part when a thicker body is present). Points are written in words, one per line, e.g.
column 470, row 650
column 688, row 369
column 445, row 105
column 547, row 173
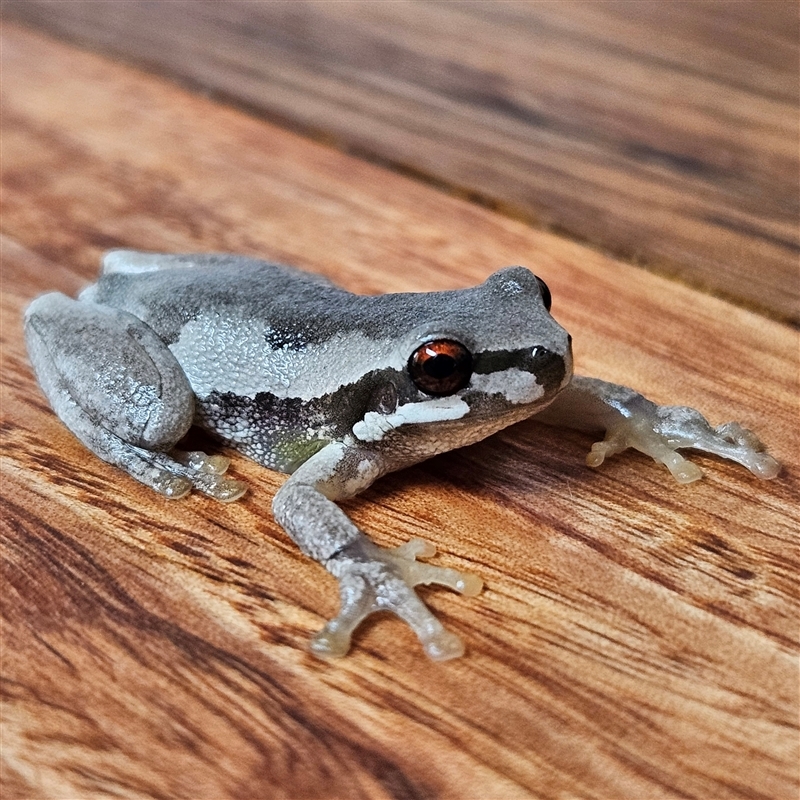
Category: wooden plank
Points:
column 664, row 132
column 635, row 638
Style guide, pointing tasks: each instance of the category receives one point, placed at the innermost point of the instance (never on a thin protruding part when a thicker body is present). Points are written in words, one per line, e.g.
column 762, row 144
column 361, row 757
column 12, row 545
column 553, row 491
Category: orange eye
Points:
column 440, row 367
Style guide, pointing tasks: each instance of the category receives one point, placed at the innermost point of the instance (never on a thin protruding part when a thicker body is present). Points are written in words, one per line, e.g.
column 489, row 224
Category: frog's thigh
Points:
column 113, row 383
column 113, row 366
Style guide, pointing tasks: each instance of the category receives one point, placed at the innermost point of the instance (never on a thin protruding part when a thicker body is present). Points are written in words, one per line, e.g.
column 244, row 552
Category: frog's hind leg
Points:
column 119, row 389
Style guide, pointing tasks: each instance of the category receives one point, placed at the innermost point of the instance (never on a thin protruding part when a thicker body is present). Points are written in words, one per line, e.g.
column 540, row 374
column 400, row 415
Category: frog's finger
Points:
column 417, row 574
column 358, row 601
column 201, row 462
column 415, row 548
column 439, row 644
column 741, row 445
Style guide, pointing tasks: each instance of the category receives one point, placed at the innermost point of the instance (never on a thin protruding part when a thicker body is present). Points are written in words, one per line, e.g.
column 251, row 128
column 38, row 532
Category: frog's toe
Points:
column 683, row 470
column 395, row 593
column 444, row 646
column 170, row 485
column 642, row 437
column 175, row 484
column 601, row 450
column 331, row 643
column 425, row 574
column 416, row 574
column 415, row 548
column 730, row 441
column 737, row 434
column 681, row 427
column 226, row 490
column 763, row 466
column 664, row 451
column 205, row 473
column 741, row 445
column 199, row 461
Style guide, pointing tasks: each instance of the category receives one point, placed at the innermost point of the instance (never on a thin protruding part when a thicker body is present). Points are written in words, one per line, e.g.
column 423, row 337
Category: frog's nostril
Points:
column 548, row 367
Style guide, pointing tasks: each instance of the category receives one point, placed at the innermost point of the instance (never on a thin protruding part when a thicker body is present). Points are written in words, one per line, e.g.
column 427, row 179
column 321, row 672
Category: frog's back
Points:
column 134, row 262
column 299, row 309
column 167, row 291
column 272, row 354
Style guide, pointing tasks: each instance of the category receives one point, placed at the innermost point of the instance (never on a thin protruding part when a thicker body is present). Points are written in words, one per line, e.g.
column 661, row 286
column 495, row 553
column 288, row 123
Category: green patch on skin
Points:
column 291, row 452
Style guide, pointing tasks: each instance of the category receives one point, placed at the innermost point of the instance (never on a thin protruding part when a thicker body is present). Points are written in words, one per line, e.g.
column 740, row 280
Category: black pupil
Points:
column 440, row 366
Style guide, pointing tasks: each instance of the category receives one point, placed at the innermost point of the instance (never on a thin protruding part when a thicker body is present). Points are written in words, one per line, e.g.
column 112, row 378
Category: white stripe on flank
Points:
column 231, row 355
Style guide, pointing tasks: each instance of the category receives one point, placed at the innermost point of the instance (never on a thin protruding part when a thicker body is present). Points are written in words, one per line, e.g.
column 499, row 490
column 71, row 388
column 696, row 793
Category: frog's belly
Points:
column 280, row 433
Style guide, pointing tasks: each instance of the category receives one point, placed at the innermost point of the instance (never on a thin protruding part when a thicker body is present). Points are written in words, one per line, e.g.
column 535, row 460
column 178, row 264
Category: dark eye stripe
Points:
column 440, row 367
column 548, row 367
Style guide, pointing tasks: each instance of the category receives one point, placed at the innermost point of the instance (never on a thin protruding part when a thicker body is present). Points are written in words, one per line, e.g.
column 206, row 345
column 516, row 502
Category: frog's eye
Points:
column 545, row 292
column 440, row 367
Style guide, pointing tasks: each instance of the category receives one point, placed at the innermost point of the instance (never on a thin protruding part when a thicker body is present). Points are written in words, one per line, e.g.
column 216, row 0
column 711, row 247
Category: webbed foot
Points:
column 659, row 431
column 372, row 579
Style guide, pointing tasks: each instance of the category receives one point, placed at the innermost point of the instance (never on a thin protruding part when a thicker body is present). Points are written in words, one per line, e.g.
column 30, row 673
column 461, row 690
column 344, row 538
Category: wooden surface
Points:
column 665, row 132
column 636, row 639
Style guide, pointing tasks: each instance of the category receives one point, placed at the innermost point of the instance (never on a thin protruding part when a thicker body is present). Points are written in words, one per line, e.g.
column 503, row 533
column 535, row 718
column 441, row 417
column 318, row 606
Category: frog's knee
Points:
column 111, row 365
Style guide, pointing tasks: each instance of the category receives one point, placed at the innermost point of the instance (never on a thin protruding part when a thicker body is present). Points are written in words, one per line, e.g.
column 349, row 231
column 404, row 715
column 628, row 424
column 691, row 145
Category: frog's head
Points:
column 483, row 358
column 506, row 351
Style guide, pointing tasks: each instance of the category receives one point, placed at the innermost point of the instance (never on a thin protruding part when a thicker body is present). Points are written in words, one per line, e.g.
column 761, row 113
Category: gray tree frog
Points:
column 335, row 389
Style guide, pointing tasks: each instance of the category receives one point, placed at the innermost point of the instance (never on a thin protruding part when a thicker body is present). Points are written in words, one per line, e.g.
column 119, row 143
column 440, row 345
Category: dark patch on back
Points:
column 291, row 340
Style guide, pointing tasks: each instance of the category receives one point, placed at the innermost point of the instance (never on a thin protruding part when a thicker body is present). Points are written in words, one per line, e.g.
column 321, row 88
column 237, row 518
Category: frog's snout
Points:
column 549, row 368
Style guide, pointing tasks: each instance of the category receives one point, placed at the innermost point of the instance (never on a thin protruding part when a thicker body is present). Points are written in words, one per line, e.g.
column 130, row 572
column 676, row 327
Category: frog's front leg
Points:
column 119, row 389
column 371, row 578
column 631, row 420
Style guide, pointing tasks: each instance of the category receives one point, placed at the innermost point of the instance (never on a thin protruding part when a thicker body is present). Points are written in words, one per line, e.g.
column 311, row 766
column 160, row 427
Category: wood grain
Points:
column 635, row 638
column 665, row 132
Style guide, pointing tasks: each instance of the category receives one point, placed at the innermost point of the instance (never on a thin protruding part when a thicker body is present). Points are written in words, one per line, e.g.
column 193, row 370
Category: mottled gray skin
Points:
column 312, row 380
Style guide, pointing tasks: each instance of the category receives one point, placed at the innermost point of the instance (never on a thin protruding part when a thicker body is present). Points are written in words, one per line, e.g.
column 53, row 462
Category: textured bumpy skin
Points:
column 311, row 380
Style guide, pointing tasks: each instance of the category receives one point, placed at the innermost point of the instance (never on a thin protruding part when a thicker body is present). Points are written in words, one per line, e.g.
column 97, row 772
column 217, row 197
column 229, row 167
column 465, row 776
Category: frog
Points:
column 334, row 389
